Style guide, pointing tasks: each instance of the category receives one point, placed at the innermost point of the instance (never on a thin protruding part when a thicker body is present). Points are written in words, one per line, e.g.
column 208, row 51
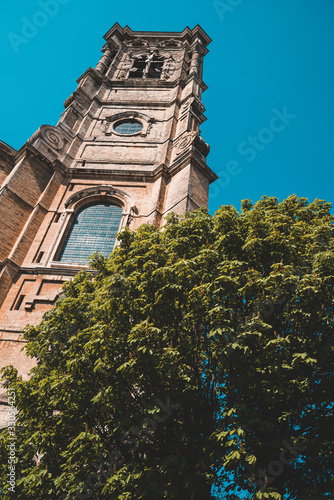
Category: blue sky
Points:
column 267, row 59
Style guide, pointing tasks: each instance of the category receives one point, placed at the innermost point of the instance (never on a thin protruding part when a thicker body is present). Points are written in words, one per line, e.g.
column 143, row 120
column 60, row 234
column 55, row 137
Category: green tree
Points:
column 197, row 355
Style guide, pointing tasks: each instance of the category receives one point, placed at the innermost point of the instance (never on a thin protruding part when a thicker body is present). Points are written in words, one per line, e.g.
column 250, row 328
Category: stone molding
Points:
column 191, row 140
column 109, row 121
column 121, row 196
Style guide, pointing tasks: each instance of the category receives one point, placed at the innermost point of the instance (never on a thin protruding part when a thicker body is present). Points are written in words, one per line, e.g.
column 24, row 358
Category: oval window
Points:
column 128, row 127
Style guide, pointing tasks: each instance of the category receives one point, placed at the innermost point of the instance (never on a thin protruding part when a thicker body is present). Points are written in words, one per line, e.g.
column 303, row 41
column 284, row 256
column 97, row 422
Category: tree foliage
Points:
column 197, row 355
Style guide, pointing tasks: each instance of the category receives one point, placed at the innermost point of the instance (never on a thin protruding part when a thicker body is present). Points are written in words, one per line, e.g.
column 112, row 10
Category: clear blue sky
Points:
column 265, row 56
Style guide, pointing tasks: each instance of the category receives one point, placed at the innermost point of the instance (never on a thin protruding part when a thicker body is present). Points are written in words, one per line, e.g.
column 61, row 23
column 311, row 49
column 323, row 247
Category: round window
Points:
column 128, row 127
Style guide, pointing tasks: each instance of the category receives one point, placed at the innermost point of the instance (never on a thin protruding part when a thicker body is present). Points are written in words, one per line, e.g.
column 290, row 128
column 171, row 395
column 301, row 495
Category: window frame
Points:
column 150, row 67
column 125, row 119
column 84, row 234
column 110, row 121
column 77, row 200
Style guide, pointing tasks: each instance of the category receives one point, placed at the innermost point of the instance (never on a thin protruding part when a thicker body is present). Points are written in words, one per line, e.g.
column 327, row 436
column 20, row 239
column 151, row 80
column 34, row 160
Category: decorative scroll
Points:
column 194, row 141
column 51, row 135
column 170, row 43
column 137, row 42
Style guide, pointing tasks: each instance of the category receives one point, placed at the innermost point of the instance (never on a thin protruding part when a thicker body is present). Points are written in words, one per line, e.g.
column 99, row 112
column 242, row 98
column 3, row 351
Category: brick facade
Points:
column 161, row 168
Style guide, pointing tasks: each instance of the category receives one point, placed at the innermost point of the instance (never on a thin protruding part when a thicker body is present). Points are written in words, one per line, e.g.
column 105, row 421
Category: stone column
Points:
column 104, row 62
column 194, row 65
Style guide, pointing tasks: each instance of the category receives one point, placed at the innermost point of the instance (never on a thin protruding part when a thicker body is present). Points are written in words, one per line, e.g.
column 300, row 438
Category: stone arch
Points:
column 99, row 192
column 76, row 202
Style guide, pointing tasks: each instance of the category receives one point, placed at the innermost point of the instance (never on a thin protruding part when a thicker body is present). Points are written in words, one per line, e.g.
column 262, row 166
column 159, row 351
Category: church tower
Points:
column 126, row 151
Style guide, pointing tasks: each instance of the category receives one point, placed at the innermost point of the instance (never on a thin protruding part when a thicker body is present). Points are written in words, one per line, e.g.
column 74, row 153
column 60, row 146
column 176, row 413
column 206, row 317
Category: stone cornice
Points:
column 196, row 161
column 29, row 151
column 118, row 175
column 6, row 148
column 9, row 263
column 138, row 83
column 7, row 154
column 198, row 80
column 187, row 34
column 41, row 270
column 92, row 72
column 55, row 271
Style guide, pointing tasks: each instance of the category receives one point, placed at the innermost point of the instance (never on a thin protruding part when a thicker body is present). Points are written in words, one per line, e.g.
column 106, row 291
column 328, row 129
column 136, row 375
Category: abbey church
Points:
column 127, row 150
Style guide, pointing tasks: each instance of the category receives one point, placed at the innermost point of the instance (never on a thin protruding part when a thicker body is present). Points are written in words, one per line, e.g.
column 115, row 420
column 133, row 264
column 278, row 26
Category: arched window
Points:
column 94, row 230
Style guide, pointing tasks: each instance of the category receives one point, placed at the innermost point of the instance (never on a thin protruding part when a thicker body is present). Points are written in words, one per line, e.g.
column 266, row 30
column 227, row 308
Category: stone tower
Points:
column 126, row 151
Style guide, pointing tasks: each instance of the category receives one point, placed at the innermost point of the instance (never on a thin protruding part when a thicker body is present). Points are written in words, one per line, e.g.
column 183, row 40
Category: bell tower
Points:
column 134, row 122
column 126, row 151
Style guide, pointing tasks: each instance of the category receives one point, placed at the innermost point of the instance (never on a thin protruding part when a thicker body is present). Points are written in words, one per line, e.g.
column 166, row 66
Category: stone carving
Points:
column 168, row 69
column 137, row 42
column 193, row 105
column 185, row 142
column 128, row 64
column 170, row 43
column 50, row 135
column 150, row 125
column 197, row 105
column 201, row 146
column 186, row 106
column 132, row 215
column 193, row 140
column 125, row 66
column 101, row 128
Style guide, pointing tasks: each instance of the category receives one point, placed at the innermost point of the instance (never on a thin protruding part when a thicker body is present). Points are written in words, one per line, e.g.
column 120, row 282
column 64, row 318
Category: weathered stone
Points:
column 153, row 78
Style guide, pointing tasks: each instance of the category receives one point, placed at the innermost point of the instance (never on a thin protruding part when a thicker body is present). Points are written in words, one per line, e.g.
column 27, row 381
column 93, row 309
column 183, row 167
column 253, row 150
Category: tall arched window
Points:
column 94, row 230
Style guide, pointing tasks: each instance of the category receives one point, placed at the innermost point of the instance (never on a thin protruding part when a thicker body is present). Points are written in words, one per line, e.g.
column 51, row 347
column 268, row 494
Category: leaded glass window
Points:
column 94, row 230
column 128, row 127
